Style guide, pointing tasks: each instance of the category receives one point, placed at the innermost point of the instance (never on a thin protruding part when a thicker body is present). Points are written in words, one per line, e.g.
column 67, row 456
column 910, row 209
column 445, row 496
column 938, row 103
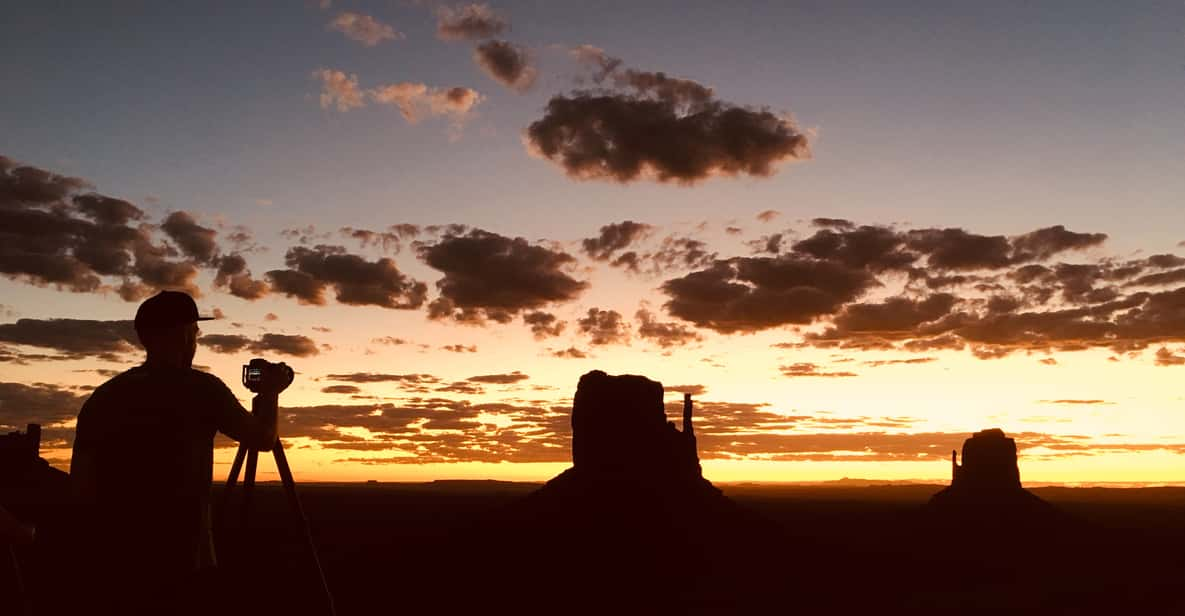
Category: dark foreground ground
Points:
column 451, row 547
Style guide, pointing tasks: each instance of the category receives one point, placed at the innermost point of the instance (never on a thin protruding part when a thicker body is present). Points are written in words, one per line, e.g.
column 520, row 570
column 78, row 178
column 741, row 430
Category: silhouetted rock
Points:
column 633, row 517
column 28, row 484
column 623, row 443
column 985, row 491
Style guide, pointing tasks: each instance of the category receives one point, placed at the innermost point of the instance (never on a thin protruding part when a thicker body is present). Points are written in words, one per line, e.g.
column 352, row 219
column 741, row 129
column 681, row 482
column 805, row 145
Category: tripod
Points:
column 252, row 458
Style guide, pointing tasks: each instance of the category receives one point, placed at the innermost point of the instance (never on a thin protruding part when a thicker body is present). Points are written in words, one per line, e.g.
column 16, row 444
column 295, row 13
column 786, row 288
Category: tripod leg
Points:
column 231, row 480
column 249, row 484
column 235, row 467
column 294, row 501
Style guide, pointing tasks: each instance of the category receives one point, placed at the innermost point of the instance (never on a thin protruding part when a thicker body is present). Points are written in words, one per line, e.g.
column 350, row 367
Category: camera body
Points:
column 260, row 373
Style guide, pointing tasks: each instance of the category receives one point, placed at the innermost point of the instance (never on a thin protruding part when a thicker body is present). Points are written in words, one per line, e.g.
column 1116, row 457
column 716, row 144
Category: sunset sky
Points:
column 856, row 232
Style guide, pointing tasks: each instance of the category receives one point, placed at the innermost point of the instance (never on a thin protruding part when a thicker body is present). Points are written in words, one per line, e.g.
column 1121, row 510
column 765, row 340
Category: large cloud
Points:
column 355, row 280
column 41, row 403
column 753, row 293
column 490, row 276
column 650, row 125
column 74, row 338
column 51, row 234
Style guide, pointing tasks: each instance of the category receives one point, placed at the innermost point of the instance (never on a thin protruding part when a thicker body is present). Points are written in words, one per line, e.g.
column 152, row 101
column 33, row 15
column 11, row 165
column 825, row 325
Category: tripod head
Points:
column 261, row 375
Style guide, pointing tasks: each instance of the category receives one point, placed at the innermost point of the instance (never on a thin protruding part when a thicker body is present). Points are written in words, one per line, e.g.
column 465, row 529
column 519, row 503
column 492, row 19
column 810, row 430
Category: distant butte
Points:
column 986, row 491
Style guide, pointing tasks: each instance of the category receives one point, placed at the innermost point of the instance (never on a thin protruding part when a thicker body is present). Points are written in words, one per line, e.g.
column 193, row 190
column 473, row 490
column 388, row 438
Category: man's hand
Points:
column 276, row 378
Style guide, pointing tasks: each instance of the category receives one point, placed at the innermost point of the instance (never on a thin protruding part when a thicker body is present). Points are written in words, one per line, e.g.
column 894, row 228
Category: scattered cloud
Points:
column 543, row 324
column 341, row 389
column 613, row 238
column 468, row 22
column 339, row 90
column 284, row 344
column 809, row 369
column 768, row 215
column 459, row 348
column 499, row 379
column 570, row 353
column 363, row 28
column 1072, row 401
column 508, row 64
column 355, row 280
column 1165, row 357
column 664, row 334
column 604, row 327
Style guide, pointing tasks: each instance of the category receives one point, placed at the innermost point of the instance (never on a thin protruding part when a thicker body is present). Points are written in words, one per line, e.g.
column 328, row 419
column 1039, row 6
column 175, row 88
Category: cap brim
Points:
column 206, row 318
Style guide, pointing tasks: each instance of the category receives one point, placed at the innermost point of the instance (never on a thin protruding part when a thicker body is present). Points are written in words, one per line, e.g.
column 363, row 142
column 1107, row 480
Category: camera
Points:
column 259, row 371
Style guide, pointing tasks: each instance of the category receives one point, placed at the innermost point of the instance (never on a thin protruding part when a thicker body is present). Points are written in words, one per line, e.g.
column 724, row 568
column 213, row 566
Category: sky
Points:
column 855, row 232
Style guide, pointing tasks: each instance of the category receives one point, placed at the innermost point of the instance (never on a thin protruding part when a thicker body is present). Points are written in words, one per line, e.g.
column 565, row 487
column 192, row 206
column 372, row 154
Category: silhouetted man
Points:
column 143, row 458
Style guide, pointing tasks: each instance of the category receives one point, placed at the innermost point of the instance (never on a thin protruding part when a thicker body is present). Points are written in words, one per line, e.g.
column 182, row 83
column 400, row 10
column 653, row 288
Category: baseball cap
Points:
column 167, row 309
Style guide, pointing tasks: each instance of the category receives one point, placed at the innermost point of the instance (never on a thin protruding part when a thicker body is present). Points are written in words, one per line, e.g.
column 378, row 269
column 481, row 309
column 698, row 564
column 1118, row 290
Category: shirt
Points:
column 148, row 436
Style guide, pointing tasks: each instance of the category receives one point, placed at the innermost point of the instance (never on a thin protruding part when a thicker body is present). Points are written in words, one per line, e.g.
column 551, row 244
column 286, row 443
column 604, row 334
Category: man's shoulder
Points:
column 205, row 379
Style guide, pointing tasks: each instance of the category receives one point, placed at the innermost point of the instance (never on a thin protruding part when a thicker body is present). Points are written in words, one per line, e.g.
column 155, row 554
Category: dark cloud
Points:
column 664, row 334
column 894, row 318
column 233, row 275
column 642, row 124
column 468, row 22
column 808, row 369
column 833, row 223
column 625, row 137
column 40, row 403
column 376, row 377
column 52, row 234
column 286, row 344
column 543, row 324
column 570, row 353
column 489, row 276
column 225, row 343
column 960, row 250
column 499, row 379
column 459, row 348
column 613, row 238
column 74, row 338
column 1165, row 357
column 341, row 389
column 506, row 63
column 604, row 327
column 874, row 248
column 695, row 390
column 893, row 362
column 355, row 280
column 746, row 294
column 390, row 240
column 194, row 240
column 1044, row 243
column 1170, row 277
